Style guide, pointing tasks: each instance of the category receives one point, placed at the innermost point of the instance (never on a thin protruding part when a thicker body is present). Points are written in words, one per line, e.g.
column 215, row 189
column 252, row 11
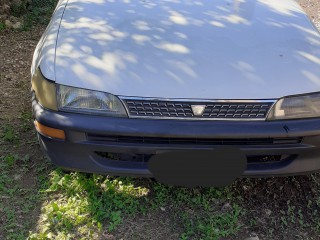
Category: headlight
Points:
column 295, row 107
column 79, row 100
column 45, row 90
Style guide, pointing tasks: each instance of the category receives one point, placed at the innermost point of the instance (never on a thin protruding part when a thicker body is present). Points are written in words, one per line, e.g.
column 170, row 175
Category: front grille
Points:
column 266, row 158
column 182, row 109
column 192, row 141
column 144, row 158
column 125, row 157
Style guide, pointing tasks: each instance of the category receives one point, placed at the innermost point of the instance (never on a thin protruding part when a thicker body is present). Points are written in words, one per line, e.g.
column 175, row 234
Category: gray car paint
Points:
column 250, row 49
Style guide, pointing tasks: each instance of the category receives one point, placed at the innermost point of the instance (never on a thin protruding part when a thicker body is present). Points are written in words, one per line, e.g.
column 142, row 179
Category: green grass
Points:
column 2, row 26
column 27, row 121
column 8, row 133
column 213, row 226
column 90, row 204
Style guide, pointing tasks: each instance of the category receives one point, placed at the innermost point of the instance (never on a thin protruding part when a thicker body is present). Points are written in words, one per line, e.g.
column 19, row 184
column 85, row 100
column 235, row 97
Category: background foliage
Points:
column 26, row 12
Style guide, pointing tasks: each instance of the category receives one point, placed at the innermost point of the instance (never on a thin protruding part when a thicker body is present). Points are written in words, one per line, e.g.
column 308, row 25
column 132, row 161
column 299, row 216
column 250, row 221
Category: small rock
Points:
column 268, row 212
column 226, row 207
column 17, row 25
column 253, row 236
column 17, row 177
column 162, row 209
column 8, row 23
column 13, row 19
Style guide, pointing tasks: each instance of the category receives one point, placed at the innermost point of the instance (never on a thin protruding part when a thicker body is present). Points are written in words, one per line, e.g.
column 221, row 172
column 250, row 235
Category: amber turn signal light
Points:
column 50, row 132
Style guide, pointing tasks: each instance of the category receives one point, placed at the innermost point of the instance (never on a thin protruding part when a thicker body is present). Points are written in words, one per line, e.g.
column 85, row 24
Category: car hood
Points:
column 252, row 49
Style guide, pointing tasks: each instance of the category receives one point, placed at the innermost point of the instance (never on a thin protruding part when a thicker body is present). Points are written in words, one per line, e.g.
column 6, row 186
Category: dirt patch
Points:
column 19, row 152
column 158, row 224
column 16, row 56
column 312, row 8
column 280, row 202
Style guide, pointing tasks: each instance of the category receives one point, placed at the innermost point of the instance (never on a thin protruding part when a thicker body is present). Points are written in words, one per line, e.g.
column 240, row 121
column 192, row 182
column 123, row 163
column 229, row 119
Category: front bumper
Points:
column 93, row 141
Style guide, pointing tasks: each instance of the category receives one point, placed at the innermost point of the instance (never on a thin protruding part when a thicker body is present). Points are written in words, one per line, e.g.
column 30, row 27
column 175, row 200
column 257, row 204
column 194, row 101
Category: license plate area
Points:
column 192, row 168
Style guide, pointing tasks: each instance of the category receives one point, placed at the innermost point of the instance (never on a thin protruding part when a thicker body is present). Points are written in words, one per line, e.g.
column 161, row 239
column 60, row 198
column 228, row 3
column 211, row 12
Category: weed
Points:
column 2, row 26
column 115, row 219
column 213, row 226
column 26, row 118
column 9, row 160
column 9, row 134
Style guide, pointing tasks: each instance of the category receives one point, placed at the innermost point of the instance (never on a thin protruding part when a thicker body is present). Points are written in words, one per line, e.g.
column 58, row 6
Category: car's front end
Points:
column 118, row 89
